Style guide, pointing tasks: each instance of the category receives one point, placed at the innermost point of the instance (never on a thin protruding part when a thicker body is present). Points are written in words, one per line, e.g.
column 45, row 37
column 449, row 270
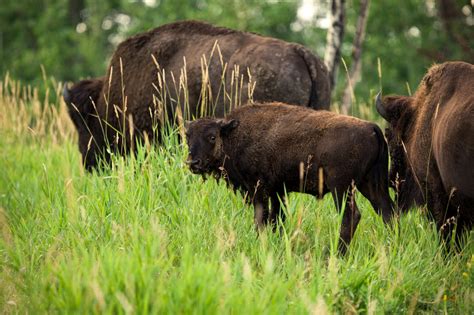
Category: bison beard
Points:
column 102, row 109
column 267, row 149
column 431, row 139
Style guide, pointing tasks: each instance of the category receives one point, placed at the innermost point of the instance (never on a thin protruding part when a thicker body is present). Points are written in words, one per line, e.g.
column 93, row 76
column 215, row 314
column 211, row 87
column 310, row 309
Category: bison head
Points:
column 80, row 101
column 398, row 112
column 205, row 142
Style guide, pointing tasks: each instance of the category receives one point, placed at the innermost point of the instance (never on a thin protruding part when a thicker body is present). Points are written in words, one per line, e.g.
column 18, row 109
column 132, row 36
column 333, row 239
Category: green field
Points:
column 148, row 236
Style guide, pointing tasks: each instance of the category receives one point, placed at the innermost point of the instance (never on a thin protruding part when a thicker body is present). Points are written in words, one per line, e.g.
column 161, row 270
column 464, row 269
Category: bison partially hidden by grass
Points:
column 267, row 149
column 431, row 140
column 193, row 66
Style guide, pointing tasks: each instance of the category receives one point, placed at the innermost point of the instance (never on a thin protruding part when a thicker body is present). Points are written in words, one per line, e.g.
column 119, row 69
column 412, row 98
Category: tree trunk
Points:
column 74, row 11
column 453, row 20
column 354, row 73
column 334, row 39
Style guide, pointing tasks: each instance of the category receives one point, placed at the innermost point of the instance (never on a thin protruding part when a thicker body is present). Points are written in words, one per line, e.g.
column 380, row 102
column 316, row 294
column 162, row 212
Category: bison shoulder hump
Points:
column 136, row 42
column 194, row 27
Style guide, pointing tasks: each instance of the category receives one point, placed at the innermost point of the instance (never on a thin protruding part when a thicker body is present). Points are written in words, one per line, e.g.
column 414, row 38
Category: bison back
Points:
column 277, row 67
column 274, row 140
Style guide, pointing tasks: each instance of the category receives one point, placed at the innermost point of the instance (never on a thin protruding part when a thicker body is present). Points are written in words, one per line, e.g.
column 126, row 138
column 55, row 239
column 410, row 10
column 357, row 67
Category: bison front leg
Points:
column 260, row 212
column 444, row 213
column 277, row 211
column 350, row 219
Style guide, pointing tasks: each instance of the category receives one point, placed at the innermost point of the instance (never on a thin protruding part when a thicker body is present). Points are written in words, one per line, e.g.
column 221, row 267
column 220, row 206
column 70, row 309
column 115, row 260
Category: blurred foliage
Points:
column 73, row 39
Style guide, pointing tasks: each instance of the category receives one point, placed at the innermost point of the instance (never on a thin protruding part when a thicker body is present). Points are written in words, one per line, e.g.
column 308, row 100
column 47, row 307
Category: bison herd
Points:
column 188, row 70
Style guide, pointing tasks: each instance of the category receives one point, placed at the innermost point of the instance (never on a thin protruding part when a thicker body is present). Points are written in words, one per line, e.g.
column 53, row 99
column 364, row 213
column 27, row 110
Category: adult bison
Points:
column 431, row 139
column 200, row 68
column 267, row 149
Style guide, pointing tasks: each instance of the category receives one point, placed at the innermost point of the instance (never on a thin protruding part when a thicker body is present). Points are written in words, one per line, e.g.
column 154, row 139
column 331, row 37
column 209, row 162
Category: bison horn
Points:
column 66, row 94
column 379, row 105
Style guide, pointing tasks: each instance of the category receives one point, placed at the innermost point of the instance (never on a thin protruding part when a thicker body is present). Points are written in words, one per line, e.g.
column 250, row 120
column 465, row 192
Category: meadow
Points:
column 146, row 236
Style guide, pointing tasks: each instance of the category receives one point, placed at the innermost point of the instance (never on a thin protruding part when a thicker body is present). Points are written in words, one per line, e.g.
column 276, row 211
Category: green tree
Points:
column 73, row 39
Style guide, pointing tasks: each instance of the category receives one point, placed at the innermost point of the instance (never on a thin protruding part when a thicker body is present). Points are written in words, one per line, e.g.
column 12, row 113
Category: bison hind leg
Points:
column 350, row 217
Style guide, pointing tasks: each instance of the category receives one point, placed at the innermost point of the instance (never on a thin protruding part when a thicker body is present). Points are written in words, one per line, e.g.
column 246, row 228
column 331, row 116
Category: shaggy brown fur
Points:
column 431, row 139
column 81, row 100
column 282, row 71
column 267, row 149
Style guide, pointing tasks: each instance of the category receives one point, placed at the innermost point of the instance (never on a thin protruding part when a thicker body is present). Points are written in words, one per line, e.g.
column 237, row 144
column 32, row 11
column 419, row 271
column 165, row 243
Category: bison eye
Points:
column 212, row 138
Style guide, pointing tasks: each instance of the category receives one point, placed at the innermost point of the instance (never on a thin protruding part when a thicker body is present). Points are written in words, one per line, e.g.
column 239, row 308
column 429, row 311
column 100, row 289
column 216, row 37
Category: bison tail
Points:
column 320, row 95
column 376, row 183
column 382, row 171
column 382, row 159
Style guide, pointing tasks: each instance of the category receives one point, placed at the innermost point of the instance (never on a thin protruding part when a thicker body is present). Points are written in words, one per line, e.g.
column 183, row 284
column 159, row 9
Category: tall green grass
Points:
column 147, row 236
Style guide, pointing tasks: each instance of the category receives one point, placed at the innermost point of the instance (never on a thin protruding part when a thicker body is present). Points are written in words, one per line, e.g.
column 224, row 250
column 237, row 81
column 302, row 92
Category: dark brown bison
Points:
column 202, row 69
column 267, row 149
column 431, row 140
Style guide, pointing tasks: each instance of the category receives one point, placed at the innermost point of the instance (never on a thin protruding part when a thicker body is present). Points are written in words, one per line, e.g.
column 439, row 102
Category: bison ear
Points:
column 227, row 126
column 187, row 124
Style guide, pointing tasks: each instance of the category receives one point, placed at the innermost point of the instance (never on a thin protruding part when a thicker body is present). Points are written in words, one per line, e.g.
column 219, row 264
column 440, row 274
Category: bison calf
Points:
column 264, row 149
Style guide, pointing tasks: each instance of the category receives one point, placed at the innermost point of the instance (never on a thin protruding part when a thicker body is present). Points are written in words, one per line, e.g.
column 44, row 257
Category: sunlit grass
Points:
column 147, row 236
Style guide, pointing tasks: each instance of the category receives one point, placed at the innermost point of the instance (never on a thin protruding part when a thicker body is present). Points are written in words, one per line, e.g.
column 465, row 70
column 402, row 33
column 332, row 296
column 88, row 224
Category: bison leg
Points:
column 444, row 213
column 276, row 211
column 260, row 212
column 463, row 225
column 350, row 219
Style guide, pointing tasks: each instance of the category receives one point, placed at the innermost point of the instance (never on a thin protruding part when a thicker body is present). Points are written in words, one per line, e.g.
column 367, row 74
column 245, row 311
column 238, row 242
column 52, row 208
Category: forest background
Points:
column 67, row 40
